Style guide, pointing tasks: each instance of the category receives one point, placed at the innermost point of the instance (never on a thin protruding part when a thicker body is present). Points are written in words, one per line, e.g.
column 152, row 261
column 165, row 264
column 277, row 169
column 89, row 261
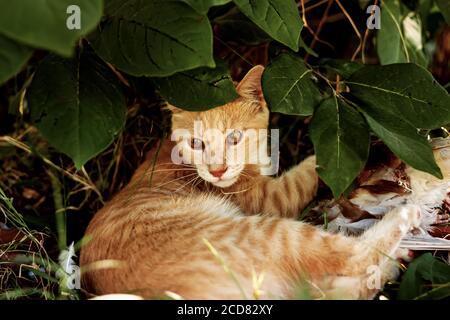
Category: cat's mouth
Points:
column 224, row 183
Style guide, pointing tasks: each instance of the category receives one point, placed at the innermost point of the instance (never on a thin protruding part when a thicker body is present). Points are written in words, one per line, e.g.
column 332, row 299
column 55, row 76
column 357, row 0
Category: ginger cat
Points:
column 204, row 231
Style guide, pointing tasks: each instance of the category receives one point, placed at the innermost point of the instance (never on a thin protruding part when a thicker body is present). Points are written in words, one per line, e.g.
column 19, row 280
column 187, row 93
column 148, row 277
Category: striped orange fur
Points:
column 174, row 231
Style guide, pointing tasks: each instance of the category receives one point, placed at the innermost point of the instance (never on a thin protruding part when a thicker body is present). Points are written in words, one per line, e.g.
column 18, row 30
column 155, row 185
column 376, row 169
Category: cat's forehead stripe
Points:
column 239, row 114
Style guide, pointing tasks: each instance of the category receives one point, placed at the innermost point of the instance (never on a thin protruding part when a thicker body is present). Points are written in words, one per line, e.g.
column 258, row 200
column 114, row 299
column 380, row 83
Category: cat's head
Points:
column 223, row 142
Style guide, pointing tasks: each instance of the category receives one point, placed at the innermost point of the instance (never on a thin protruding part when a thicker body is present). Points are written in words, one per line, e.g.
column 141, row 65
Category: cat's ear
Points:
column 250, row 87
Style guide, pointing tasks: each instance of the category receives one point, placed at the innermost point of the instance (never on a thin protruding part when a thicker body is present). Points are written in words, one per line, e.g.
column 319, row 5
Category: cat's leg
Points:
column 288, row 252
column 353, row 267
column 284, row 196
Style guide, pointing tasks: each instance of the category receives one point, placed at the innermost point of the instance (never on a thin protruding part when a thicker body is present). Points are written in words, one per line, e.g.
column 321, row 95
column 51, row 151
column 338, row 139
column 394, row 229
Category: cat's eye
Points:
column 197, row 144
column 234, row 137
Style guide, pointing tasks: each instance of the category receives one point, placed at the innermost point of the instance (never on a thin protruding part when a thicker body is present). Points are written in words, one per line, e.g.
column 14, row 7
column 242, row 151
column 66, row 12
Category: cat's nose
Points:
column 217, row 172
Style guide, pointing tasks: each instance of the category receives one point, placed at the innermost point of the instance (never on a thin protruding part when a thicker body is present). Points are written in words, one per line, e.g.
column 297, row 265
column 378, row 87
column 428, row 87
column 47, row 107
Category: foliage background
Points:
column 79, row 108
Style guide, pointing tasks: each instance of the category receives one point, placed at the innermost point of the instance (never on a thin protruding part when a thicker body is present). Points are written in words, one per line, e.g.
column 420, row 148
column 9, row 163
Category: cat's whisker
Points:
column 247, row 175
column 168, row 172
column 173, row 164
column 175, row 169
column 200, row 180
column 192, row 183
column 186, row 184
column 235, row 192
column 196, row 183
column 176, row 179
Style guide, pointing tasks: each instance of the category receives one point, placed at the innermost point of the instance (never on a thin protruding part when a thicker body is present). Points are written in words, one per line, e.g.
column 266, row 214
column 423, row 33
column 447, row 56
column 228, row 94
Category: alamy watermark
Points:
column 374, row 277
column 212, row 146
column 69, row 274
column 73, row 21
column 374, row 20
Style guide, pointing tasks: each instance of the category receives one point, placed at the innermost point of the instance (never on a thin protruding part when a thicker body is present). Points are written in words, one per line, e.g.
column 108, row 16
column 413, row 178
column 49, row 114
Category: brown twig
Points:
column 302, row 10
column 319, row 27
column 349, row 18
column 366, row 35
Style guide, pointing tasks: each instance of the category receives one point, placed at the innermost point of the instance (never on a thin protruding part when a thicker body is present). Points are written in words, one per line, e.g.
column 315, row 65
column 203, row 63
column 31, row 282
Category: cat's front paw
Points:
column 404, row 255
column 411, row 217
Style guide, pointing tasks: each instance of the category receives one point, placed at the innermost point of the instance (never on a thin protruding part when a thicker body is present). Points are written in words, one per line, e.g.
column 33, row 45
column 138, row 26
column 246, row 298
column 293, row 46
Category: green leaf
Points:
column 425, row 269
column 236, row 27
column 412, row 30
column 308, row 49
column 77, row 104
column 400, row 37
column 202, row 88
column 202, row 6
column 391, row 46
column 412, row 284
column 424, row 10
column 341, row 143
column 278, row 18
column 444, row 7
column 43, row 24
column 288, row 87
column 440, row 291
column 154, row 38
column 403, row 90
column 403, row 139
column 343, row 67
column 13, row 56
